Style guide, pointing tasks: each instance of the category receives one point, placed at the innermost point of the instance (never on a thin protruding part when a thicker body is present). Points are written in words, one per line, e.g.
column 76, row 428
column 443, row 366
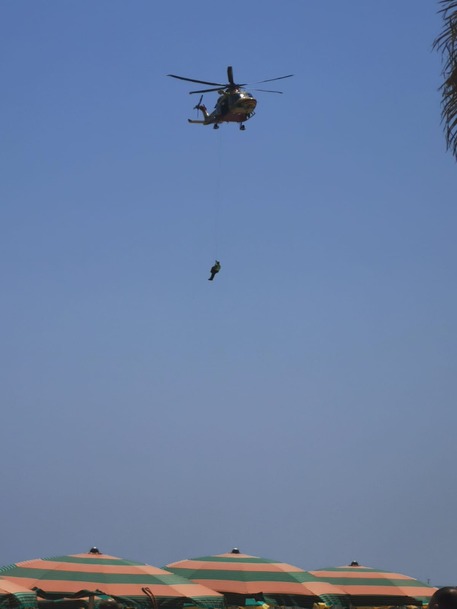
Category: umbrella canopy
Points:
column 13, row 596
column 131, row 583
column 241, row 576
column 371, row 587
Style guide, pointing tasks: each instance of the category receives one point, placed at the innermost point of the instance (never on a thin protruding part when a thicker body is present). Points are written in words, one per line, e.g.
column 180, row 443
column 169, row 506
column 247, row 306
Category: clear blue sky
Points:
column 301, row 406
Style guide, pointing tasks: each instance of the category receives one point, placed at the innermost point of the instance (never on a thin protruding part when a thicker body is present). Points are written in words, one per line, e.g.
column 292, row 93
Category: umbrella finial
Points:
column 94, row 550
column 235, row 551
column 354, row 563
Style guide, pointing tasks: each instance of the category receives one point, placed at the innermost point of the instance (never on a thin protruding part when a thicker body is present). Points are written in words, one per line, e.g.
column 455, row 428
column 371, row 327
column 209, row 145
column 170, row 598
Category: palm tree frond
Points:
column 446, row 44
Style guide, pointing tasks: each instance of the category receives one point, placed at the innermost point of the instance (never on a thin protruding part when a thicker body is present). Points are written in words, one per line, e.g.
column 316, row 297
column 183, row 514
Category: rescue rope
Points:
column 219, row 195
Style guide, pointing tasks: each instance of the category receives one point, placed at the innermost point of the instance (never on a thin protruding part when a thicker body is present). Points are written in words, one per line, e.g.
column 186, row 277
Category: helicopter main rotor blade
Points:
column 230, row 75
column 202, row 82
column 207, row 90
column 270, row 79
column 267, row 91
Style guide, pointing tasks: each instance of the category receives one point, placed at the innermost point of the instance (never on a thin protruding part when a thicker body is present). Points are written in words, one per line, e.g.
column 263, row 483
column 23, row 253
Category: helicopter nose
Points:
column 249, row 103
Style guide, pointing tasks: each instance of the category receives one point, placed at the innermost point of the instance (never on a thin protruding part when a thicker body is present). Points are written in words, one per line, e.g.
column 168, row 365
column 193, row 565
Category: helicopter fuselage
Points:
column 232, row 106
column 235, row 106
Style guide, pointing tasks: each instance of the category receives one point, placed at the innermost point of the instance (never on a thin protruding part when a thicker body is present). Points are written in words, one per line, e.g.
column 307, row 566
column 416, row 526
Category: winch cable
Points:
column 219, row 195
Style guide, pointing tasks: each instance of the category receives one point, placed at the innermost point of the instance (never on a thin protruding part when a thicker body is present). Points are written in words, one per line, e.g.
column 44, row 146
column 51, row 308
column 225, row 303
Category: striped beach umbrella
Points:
column 375, row 588
column 95, row 574
column 13, row 596
column 240, row 577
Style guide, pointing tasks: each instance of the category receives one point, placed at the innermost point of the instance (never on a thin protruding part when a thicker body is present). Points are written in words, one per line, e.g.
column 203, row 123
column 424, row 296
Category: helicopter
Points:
column 234, row 105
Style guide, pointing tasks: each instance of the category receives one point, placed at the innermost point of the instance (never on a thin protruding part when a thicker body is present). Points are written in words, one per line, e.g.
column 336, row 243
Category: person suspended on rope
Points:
column 214, row 270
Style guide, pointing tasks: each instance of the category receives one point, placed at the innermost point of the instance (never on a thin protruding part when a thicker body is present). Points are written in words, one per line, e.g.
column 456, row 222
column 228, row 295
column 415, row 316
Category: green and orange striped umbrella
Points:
column 241, row 576
column 131, row 583
column 12, row 595
column 371, row 587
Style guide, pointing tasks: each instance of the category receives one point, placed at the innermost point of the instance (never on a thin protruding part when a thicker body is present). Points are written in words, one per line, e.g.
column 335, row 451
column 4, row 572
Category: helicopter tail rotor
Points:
column 197, row 107
column 201, row 108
